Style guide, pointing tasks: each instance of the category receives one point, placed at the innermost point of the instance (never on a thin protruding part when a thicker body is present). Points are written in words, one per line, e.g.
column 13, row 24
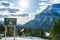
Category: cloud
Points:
column 11, row 11
column 2, row 19
column 55, row 1
column 4, row 6
column 24, row 20
column 1, row 6
column 6, row 3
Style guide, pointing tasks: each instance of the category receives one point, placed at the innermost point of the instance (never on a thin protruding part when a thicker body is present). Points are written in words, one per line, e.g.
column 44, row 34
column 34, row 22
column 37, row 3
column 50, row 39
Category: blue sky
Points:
column 34, row 4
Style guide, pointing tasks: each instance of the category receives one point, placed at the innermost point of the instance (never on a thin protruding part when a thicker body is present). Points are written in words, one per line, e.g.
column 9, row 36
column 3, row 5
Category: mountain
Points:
column 46, row 18
column 1, row 22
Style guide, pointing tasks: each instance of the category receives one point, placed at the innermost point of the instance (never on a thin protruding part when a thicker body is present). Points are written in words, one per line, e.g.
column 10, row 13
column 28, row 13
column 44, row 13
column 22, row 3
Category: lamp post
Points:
column 5, row 31
column 14, row 32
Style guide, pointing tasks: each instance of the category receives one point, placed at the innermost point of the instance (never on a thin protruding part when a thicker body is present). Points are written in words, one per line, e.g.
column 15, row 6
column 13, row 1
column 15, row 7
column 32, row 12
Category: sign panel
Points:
column 10, row 21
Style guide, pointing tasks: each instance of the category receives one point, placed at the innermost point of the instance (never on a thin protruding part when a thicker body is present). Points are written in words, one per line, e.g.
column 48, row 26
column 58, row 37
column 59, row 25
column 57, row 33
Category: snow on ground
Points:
column 22, row 38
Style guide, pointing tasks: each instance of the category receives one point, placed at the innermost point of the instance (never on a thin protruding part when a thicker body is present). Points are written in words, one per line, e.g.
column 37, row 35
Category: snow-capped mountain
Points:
column 46, row 18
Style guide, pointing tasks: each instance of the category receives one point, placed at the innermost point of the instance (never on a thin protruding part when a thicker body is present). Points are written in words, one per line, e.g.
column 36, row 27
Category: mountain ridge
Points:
column 46, row 18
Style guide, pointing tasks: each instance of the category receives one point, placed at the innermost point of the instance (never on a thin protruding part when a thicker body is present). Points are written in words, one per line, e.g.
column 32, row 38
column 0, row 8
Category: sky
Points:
column 33, row 5
column 23, row 10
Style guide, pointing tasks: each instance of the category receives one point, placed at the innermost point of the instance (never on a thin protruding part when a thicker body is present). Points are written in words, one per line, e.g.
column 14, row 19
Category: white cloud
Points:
column 2, row 19
column 20, row 19
column 10, row 4
column 4, row 13
column 1, row 6
column 55, row 1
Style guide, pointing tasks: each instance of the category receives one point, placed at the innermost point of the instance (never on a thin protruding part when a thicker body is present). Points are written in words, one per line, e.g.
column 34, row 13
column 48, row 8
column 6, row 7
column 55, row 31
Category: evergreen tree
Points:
column 2, row 29
column 27, row 32
column 41, row 33
column 55, row 30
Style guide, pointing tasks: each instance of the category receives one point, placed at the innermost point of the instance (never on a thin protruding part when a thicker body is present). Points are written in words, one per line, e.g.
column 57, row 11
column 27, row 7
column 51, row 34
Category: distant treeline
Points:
column 22, row 31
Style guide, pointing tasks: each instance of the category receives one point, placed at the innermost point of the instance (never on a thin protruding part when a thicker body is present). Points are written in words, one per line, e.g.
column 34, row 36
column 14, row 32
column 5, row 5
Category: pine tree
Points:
column 55, row 30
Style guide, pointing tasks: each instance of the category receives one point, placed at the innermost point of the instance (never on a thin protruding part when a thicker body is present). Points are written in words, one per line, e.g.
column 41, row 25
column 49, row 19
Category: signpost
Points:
column 9, row 22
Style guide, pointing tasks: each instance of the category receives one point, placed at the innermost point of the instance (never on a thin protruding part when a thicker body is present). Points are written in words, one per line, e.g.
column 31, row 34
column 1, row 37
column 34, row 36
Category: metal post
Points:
column 5, row 31
column 14, row 32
